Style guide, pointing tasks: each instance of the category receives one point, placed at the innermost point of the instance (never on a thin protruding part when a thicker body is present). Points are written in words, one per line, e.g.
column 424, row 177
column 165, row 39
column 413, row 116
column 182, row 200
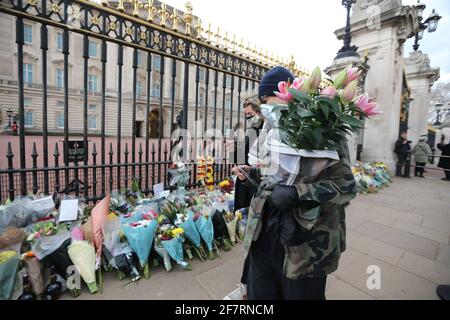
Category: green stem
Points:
column 92, row 287
column 146, row 271
column 100, row 280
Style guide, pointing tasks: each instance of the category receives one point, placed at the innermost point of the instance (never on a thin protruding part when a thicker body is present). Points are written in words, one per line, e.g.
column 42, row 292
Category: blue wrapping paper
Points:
column 191, row 232
column 141, row 239
column 174, row 248
column 206, row 229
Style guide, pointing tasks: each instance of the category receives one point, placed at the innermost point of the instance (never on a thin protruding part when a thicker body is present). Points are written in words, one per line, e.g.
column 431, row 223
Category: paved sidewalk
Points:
column 404, row 229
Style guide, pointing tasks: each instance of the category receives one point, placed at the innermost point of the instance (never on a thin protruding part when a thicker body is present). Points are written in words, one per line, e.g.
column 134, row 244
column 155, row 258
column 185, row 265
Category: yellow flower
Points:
column 224, row 183
column 177, row 231
column 238, row 215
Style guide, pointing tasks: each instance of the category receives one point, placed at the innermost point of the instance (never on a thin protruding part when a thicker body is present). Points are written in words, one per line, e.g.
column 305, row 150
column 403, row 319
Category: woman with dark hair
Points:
column 244, row 190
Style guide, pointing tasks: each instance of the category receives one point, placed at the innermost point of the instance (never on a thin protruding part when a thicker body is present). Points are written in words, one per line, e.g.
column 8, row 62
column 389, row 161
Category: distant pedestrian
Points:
column 421, row 153
column 402, row 150
column 15, row 128
column 444, row 162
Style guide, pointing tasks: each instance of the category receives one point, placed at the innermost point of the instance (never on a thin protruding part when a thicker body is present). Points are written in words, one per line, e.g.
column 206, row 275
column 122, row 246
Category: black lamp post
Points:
column 9, row 112
column 438, row 123
column 348, row 50
column 430, row 24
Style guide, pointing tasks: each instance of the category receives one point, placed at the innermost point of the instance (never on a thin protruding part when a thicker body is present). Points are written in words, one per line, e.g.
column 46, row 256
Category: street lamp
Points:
column 439, row 109
column 430, row 24
column 348, row 50
column 9, row 112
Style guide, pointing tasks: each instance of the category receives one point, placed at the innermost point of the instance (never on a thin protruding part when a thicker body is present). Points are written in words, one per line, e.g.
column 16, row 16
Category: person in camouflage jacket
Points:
column 296, row 234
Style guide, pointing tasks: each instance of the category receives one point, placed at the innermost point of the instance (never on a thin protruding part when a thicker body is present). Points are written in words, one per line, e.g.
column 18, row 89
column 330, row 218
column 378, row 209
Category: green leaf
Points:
column 279, row 108
column 317, row 135
column 352, row 121
column 300, row 96
column 325, row 109
column 304, row 113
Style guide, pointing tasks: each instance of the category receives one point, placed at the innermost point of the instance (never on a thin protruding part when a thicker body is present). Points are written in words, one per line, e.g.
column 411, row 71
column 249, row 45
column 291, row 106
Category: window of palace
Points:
column 28, row 33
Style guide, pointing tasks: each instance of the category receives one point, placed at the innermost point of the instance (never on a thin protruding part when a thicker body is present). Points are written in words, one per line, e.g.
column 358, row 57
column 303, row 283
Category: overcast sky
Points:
column 305, row 27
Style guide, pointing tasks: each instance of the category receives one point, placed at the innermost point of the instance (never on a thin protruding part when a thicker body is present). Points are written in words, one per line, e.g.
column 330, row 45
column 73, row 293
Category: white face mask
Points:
column 254, row 121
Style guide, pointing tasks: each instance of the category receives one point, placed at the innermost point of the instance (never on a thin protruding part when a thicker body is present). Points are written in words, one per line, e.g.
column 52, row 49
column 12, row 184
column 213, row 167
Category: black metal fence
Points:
column 103, row 169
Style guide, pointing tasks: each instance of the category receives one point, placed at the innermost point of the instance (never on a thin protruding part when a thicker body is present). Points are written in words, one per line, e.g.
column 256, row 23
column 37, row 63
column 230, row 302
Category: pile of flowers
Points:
column 371, row 177
column 124, row 233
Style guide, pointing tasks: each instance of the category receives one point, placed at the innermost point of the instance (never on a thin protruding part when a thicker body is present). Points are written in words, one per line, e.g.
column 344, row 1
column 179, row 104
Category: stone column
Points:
column 380, row 28
column 420, row 77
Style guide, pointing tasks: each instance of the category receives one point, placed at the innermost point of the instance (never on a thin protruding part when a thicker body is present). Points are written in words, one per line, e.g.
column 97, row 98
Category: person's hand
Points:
column 405, row 141
column 285, row 198
column 238, row 172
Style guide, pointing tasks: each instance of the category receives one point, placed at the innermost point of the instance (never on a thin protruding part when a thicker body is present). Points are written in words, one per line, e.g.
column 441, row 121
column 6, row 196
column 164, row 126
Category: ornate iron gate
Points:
column 169, row 39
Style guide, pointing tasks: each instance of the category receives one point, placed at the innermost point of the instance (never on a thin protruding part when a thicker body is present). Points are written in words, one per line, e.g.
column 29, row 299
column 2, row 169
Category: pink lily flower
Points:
column 283, row 93
column 349, row 92
column 367, row 106
column 329, row 92
column 298, row 83
column 315, row 79
column 352, row 75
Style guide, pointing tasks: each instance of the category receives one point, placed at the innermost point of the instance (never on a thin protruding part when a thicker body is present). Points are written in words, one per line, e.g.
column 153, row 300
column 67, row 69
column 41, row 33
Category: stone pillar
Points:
column 380, row 28
column 420, row 77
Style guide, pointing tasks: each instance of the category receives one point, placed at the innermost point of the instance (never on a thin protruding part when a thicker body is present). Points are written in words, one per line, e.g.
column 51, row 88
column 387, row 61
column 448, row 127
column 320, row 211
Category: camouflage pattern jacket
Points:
column 319, row 220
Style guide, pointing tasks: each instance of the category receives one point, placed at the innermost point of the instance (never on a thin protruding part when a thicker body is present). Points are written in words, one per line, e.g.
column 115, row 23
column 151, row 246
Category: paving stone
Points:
column 374, row 248
column 432, row 234
column 213, row 280
column 353, row 221
column 341, row 290
column 426, row 268
column 399, row 239
column 443, row 255
column 436, row 224
column 377, row 215
column 396, row 283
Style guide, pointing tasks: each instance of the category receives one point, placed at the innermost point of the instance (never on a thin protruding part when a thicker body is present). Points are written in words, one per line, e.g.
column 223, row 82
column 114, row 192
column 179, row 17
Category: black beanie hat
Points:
column 269, row 82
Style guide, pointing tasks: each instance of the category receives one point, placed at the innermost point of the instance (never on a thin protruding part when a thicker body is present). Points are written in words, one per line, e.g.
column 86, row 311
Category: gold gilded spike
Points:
column 199, row 29
column 188, row 17
column 225, row 41
column 136, row 6
column 120, row 7
column 175, row 19
column 218, row 37
column 241, row 47
column 164, row 14
column 233, row 44
column 209, row 33
column 105, row 3
column 151, row 10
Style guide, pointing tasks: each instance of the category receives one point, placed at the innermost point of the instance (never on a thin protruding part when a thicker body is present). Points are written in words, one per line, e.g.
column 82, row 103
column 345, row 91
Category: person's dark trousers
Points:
column 420, row 169
column 265, row 274
column 400, row 165
column 447, row 174
column 244, row 277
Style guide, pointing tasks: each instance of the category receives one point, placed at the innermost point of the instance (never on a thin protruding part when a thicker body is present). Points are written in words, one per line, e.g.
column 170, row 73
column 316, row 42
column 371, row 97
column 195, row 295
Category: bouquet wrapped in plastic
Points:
column 179, row 175
column 140, row 235
column 25, row 211
column 313, row 123
column 204, row 224
column 35, row 271
column 172, row 240
column 118, row 254
column 187, row 223
column 9, row 263
column 82, row 254
column 49, row 243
